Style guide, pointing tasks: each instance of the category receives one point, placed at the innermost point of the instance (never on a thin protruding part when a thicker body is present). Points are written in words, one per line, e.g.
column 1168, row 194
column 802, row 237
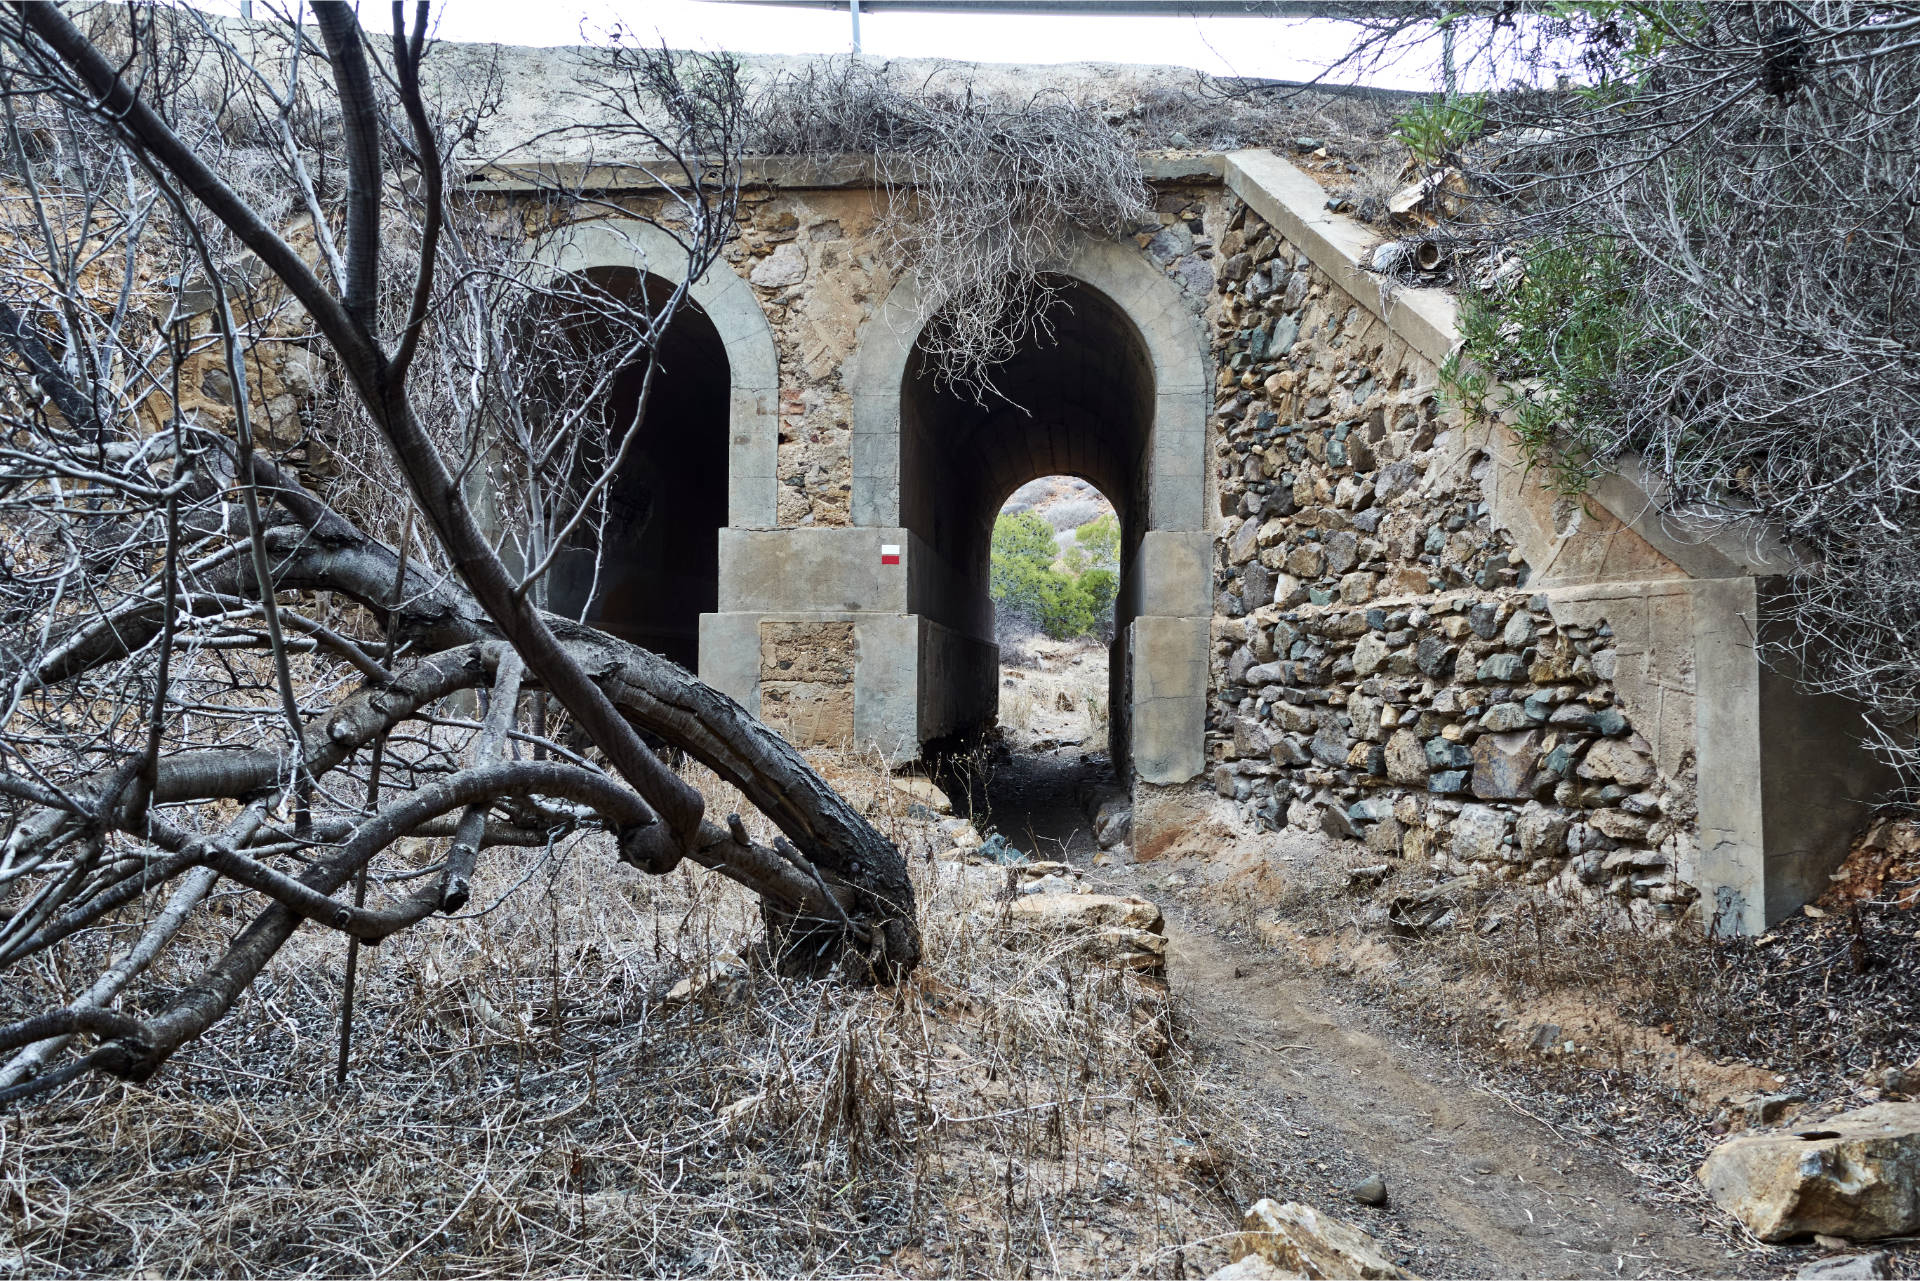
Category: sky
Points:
column 1274, row 48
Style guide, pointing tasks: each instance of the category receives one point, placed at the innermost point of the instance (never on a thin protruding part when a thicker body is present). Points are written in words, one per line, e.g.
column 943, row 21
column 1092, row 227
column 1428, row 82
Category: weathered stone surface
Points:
column 1086, row 911
column 1609, row 721
column 1343, row 549
column 1504, row 718
column 1503, row 765
column 1856, row 1175
column 1171, row 242
column 1112, row 821
column 1433, row 655
column 1877, row 1266
column 1331, row 745
column 1384, row 837
column 1499, row 668
column 922, row 791
column 809, row 713
column 1371, row 810
column 1237, row 664
column 1479, row 833
column 1610, row 760
column 785, row 266
column 1369, row 655
column 1244, row 543
column 1308, row 560
column 1605, row 663
column 823, row 652
column 1300, row 1239
column 1291, row 749
column 1619, row 825
column 1254, row 1268
column 1256, row 585
column 1250, row 738
column 1406, row 758
column 1542, row 832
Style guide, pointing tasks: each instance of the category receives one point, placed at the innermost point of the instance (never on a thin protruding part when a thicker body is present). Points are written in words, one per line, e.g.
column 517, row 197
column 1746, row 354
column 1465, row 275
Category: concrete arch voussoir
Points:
column 753, row 362
column 1151, row 302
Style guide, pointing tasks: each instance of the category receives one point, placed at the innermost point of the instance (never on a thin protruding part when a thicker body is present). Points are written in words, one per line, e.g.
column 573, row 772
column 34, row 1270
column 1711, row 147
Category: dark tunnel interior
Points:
column 661, row 563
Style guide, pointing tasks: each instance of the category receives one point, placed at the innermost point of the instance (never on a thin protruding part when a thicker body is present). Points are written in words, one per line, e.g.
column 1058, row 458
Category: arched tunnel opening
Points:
column 659, row 557
column 1077, row 400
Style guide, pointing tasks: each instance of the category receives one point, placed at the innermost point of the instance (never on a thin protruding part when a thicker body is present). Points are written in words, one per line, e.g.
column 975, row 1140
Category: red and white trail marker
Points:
column 889, row 553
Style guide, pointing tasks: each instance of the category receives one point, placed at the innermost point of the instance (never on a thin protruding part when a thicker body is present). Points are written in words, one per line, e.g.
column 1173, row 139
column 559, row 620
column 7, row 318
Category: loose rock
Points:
column 1301, row 1240
column 1856, row 1176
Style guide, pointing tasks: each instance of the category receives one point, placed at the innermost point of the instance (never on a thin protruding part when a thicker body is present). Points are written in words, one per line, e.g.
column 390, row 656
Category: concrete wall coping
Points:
column 1427, row 320
column 788, row 173
column 753, row 362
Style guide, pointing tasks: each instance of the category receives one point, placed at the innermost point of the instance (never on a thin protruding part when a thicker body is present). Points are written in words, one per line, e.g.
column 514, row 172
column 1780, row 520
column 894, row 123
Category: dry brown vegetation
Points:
column 527, row 1095
column 1649, row 1042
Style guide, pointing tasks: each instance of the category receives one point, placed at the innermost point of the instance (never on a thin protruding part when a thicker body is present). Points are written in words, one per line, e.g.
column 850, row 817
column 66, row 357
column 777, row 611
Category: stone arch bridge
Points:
column 1343, row 605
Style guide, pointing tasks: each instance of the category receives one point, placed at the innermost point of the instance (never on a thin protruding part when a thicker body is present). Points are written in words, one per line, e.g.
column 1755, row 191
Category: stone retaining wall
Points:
column 1381, row 671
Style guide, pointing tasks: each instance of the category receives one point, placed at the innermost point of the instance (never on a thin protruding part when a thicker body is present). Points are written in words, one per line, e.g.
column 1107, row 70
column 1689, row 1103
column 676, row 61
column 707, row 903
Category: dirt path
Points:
column 1475, row 1187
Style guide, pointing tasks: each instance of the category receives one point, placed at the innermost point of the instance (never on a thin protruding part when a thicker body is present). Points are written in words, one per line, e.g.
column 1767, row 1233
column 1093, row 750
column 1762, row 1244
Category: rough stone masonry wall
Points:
column 1380, row 670
column 819, row 267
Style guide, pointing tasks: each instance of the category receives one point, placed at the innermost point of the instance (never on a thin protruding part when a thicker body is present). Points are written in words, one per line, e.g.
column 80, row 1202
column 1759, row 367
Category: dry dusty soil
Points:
column 1331, row 1093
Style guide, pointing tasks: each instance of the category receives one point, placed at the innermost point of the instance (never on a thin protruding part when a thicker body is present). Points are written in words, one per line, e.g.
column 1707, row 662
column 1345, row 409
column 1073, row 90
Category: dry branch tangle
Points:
column 201, row 535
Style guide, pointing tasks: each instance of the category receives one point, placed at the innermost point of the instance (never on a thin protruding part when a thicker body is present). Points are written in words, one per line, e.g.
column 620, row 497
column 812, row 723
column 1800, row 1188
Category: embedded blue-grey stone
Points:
column 1500, row 668
column 1371, row 810
column 1610, row 722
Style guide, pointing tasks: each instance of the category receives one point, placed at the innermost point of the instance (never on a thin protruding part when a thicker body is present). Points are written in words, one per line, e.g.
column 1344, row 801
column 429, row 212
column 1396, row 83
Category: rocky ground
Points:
column 593, row 1073
column 1538, row 1117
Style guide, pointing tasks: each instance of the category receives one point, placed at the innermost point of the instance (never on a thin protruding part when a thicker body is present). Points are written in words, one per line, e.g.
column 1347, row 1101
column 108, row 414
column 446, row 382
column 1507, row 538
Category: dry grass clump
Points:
column 527, row 1096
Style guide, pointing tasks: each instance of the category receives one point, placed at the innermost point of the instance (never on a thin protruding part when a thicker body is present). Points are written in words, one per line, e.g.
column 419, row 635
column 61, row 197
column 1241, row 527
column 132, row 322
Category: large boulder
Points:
column 1856, row 1175
column 1299, row 1240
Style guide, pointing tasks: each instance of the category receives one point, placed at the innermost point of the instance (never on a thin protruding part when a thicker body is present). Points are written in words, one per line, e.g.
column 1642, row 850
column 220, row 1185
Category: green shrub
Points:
column 1555, row 347
column 1066, row 597
column 1433, row 130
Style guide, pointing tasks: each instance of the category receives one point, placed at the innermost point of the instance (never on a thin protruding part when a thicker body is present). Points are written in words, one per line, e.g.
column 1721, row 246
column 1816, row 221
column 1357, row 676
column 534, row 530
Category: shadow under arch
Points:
column 711, row 457
column 658, row 565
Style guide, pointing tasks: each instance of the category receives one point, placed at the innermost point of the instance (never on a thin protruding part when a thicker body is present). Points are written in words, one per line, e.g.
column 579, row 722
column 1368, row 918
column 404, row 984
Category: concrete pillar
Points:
column 797, row 584
column 1781, row 779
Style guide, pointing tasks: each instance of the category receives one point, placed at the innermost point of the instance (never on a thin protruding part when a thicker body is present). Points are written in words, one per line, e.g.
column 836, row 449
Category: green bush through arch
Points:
column 1068, row 594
